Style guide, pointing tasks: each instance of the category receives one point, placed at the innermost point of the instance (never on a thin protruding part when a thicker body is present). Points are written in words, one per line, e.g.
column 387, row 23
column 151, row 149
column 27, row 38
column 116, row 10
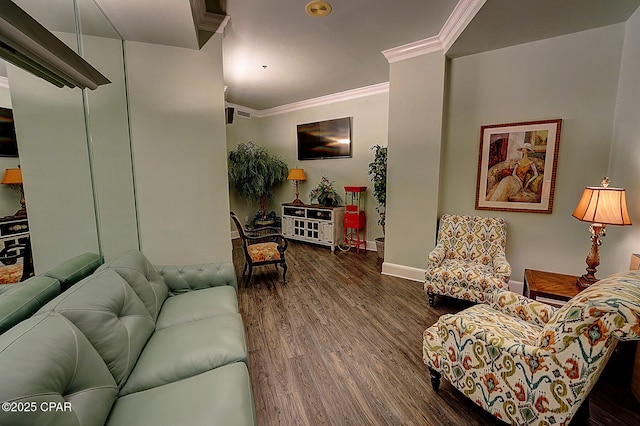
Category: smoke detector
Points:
column 319, row 9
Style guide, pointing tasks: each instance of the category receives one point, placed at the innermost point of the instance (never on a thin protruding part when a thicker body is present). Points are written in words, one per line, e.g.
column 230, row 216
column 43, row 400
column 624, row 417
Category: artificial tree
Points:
column 378, row 175
column 253, row 171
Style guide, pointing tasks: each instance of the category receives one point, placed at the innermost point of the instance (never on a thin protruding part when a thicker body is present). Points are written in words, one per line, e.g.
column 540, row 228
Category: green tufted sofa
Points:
column 131, row 344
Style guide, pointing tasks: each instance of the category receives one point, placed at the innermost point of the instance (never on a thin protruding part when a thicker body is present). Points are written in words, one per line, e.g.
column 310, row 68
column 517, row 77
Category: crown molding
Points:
column 462, row 14
column 411, row 50
column 322, row 100
column 207, row 21
column 4, row 82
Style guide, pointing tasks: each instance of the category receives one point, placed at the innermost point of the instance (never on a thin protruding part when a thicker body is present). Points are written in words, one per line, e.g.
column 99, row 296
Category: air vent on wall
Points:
column 30, row 46
column 243, row 114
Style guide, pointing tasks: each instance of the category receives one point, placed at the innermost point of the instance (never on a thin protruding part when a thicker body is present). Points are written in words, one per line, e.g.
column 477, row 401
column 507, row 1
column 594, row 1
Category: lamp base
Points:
column 297, row 202
column 586, row 280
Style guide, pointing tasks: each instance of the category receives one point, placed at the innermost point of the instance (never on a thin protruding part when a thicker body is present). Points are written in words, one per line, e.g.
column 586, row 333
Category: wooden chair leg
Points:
column 432, row 299
column 435, row 378
column 284, row 272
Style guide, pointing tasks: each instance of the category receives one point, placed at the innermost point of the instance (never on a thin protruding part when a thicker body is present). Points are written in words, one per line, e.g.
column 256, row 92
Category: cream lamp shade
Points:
column 603, row 205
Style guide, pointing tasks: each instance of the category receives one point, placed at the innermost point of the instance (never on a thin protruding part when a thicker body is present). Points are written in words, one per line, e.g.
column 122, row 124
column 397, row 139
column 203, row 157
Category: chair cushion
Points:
column 472, row 238
column 11, row 273
column 188, row 349
column 263, row 252
column 218, row 397
column 197, row 305
column 466, row 280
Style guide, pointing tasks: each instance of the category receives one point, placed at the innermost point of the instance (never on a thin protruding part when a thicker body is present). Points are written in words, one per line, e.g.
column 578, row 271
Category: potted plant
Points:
column 325, row 193
column 378, row 175
column 253, row 170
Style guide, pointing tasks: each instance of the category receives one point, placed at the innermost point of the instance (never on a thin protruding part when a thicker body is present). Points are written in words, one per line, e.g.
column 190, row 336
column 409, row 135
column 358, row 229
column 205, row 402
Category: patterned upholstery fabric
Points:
column 468, row 261
column 263, row 251
column 529, row 363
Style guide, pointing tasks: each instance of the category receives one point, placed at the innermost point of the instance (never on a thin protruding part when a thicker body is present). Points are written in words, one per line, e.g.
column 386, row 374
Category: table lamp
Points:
column 297, row 175
column 13, row 177
column 601, row 206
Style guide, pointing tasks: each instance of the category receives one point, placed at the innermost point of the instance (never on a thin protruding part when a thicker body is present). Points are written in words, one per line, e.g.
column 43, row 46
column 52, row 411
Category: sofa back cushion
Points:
column 52, row 375
column 19, row 301
column 472, row 238
column 112, row 317
column 142, row 277
column 609, row 308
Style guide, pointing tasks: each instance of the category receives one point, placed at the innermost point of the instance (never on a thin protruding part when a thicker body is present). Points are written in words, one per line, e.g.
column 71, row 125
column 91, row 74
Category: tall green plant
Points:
column 253, row 171
column 378, row 175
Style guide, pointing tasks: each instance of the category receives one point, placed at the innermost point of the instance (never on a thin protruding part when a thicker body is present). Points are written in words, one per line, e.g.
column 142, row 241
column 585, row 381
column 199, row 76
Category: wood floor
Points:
column 341, row 344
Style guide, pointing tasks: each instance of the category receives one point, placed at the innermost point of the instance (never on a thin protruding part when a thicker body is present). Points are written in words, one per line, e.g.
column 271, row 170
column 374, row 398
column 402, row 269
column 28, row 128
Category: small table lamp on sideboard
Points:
column 297, row 175
column 13, row 177
column 601, row 206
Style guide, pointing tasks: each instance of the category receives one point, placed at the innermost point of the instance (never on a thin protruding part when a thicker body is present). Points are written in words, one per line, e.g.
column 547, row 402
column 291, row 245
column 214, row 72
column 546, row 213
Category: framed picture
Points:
column 517, row 166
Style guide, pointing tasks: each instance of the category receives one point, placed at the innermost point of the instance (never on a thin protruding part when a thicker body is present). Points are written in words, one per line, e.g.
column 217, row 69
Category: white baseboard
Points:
column 401, row 271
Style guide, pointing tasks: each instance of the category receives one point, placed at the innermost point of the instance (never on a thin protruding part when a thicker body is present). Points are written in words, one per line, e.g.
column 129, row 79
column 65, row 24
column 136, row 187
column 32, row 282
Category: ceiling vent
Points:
column 30, row 46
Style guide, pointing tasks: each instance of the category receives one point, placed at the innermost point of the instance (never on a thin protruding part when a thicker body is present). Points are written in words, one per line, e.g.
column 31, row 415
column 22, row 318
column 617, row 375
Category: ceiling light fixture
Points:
column 319, row 9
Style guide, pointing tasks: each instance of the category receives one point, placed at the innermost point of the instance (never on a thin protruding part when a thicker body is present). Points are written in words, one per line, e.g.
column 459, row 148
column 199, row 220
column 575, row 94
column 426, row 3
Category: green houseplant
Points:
column 253, row 171
column 325, row 193
column 378, row 175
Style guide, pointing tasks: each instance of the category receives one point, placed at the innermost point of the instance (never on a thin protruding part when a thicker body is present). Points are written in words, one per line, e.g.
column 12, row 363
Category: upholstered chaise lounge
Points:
column 527, row 362
column 468, row 261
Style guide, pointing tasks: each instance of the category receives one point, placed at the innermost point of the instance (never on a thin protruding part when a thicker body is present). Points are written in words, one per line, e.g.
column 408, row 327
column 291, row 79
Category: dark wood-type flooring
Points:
column 341, row 344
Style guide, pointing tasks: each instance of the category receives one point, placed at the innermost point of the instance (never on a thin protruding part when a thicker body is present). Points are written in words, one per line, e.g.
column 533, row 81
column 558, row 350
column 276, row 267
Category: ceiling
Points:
column 275, row 54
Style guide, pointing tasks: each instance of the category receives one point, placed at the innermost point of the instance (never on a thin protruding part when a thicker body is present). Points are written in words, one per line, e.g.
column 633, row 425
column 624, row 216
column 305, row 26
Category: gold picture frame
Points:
column 517, row 166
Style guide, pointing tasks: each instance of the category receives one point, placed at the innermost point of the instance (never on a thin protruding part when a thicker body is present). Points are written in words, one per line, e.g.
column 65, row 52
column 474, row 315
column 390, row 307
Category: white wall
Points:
column 624, row 167
column 573, row 77
column 179, row 148
column 278, row 134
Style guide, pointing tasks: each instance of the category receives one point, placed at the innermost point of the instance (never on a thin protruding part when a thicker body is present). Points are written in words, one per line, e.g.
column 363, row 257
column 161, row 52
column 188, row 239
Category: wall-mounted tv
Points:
column 325, row 139
column 8, row 143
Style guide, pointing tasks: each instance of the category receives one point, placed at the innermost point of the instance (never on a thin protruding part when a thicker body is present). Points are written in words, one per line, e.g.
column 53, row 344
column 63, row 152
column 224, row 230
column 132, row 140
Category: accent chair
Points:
column 526, row 362
column 263, row 246
column 468, row 261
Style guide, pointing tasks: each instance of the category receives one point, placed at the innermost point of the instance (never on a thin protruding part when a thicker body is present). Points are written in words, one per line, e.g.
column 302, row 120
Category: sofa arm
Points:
column 185, row 278
column 501, row 266
column 436, row 256
column 522, row 307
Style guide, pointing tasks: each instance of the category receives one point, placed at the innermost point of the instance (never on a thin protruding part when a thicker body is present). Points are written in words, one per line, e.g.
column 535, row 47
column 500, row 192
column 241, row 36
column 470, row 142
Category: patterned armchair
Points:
column 526, row 362
column 468, row 261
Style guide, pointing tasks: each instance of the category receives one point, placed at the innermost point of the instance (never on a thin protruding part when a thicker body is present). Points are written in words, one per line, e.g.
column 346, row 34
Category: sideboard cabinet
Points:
column 313, row 223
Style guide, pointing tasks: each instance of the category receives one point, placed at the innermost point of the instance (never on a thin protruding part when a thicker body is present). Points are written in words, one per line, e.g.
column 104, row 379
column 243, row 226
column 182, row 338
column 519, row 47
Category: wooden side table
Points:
column 549, row 287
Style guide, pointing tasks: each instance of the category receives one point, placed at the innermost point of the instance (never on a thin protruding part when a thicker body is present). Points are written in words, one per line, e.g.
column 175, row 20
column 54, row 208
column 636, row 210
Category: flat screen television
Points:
column 325, row 139
column 8, row 142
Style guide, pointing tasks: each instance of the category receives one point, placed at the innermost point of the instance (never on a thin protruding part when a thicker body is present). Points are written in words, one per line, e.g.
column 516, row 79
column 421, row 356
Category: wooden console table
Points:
column 549, row 287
